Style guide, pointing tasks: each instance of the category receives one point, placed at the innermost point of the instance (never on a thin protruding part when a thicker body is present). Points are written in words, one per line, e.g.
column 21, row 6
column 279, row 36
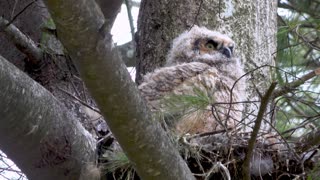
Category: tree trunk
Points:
column 252, row 25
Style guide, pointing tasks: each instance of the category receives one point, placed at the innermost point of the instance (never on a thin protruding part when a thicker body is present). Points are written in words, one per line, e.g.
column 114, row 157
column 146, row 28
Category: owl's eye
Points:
column 211, row 44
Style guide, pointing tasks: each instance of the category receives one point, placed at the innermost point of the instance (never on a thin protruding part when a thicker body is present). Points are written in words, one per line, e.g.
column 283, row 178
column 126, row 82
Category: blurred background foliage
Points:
column 298, row 53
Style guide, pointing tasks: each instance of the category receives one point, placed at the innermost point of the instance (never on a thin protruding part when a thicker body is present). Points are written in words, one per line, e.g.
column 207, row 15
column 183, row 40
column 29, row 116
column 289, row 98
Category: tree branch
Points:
column 263, row 106
column 110, row 10
column 37, row 132
column 21, row 41
column 288, row 87
column 135, row 3
column 82, row 29
column 128, row 5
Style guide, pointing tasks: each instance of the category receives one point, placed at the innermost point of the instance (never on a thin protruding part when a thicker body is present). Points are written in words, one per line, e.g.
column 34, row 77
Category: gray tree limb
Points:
column 129, row 6
column 37, row 132
column 135, row 3
column 21, row 41
column 82, row 29
column 110, row 10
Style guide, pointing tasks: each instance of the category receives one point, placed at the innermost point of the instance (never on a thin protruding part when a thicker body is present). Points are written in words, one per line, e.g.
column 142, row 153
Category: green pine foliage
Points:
column 298, row 53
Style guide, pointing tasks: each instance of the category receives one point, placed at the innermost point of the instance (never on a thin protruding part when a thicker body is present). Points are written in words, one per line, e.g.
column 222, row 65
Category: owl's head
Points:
column 200, row 44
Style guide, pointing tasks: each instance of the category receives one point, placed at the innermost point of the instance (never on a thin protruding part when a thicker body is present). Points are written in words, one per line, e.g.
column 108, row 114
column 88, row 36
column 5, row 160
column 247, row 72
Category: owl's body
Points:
column 200, row 61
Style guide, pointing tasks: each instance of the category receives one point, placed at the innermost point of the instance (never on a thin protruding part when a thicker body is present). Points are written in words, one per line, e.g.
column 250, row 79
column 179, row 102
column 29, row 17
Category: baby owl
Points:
column 200, row 71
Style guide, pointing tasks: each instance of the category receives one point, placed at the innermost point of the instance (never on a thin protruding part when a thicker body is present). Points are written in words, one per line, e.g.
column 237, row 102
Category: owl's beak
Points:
column 226, row 51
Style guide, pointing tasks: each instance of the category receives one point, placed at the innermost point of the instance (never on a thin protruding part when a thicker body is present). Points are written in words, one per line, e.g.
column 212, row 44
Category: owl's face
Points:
column 200, row 44
column 213, row 45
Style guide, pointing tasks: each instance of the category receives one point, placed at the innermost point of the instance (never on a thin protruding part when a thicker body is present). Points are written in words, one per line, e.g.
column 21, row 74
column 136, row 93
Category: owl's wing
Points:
column 164, row 80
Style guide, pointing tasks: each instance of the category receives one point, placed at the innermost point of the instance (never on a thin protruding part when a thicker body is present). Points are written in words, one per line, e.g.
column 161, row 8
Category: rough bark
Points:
column 37, row 133
column 158, row 23
column 81, row 28
column 252, row 25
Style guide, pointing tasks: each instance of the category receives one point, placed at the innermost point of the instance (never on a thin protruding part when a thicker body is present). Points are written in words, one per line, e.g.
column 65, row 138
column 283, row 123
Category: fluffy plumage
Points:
column 202, row 61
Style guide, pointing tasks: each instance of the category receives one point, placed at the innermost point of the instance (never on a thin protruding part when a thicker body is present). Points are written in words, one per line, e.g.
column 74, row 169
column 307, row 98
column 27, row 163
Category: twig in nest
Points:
column 79, row 100
column 104, row 138
column 208, row 133
column 216, row 167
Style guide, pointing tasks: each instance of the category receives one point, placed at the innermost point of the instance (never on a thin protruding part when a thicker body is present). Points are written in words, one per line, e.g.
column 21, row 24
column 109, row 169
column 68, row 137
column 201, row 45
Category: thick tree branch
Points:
column 37, row 132
column 21, row 41
column 110, row 10
column 82, row 29
column 135, row 3
column 263, row 106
